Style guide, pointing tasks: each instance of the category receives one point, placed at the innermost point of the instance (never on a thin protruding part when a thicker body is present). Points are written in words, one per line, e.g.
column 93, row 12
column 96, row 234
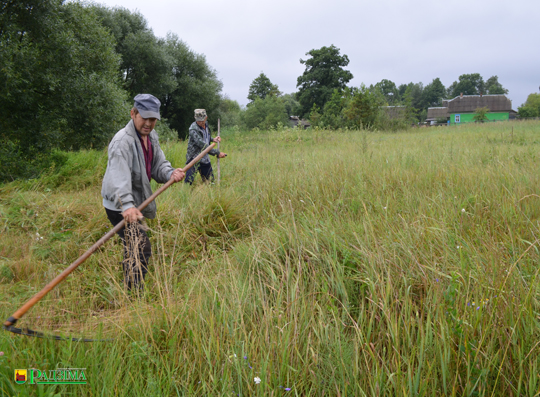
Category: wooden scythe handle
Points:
column 58, row 279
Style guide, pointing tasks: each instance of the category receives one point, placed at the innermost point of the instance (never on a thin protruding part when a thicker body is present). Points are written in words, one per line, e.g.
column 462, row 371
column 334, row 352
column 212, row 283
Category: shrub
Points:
column 265, row 113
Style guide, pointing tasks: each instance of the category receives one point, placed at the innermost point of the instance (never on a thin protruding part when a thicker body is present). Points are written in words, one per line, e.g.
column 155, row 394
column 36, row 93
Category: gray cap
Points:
column 200, row 114
column 148, row 106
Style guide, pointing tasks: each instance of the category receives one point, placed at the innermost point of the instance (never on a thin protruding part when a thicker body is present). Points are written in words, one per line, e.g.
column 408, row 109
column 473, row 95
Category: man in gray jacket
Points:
column 135, row 157
column 200, row 139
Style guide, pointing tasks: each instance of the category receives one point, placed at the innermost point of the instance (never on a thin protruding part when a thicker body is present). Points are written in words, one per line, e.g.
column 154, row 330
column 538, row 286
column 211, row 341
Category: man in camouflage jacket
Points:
column 200, row 139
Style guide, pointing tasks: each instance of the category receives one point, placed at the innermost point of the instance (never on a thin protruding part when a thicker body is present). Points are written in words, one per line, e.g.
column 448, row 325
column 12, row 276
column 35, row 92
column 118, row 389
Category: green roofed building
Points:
column 461, row 109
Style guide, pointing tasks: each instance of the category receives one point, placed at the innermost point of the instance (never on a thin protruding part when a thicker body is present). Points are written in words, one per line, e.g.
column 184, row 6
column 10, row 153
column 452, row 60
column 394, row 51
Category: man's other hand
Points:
column 178, row 174
column 217, row 139
column 221, row 155
column 132, row 215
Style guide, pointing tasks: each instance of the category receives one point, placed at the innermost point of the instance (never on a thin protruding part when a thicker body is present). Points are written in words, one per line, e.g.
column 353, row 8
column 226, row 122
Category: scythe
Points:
column 10, row 322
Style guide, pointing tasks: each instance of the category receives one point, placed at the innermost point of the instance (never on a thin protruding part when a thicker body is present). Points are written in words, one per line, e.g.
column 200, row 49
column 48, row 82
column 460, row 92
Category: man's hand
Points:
column 216, row 139
column 178, row 174
column 221, row 155
column 132, row 215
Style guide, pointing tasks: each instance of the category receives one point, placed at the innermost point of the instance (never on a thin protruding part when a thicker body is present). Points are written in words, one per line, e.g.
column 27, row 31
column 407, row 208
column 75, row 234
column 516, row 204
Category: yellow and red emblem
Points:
column 20, row 376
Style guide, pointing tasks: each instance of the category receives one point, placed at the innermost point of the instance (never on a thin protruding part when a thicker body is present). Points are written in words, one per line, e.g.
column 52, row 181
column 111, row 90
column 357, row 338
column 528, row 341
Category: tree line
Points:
column 69, row 72
column 325, row 98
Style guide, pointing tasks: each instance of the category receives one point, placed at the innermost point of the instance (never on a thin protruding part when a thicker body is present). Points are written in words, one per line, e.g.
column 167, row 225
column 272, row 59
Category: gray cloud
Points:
column 399, row 40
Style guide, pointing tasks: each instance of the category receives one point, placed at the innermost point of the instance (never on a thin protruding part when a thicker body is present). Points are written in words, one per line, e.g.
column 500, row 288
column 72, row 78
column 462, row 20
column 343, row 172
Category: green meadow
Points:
column 325, row 263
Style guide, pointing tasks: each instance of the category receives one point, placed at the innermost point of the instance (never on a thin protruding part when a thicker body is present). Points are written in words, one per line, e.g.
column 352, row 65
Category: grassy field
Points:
column 344, row 263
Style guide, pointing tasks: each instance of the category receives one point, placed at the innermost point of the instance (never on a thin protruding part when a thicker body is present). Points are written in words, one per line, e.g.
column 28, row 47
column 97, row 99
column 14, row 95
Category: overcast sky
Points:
column 399, row 40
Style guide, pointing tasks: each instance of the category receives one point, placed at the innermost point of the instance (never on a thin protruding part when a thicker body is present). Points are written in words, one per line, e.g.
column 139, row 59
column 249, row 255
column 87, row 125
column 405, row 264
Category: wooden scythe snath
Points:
column 8, row 324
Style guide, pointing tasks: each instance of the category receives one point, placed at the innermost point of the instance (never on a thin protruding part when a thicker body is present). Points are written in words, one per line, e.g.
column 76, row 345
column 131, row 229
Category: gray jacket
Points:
column 125, row 183
column 196, row 142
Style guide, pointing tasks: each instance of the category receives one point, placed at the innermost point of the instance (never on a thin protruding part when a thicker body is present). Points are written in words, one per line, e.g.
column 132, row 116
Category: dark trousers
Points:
column 204, row 169
column 137, row 251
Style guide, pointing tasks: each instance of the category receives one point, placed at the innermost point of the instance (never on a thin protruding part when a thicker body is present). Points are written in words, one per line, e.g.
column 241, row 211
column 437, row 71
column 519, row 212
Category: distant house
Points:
column 461, row 109
column 295, row 120
column 437, row 115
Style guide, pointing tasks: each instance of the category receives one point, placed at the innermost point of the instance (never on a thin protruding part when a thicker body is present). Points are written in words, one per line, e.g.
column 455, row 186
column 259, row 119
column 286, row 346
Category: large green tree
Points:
column 531, row 108
column 146, row 65
column 434, row 93
column 468, row 84
column 333, row 111
column 59, row 78
column 493, row 86
column 389, row 90
column 197, row 86
column 261, row 87
column 324, row 72
column 292, row 106
column 166, row 68
column 363, row 109
column 229, row 112
column 265, row 113
column 414, row 99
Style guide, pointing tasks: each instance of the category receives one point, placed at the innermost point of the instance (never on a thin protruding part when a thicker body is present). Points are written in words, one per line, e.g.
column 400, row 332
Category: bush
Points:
column 59, row 72
column 18, row 163
column 531, row 108
column 229, row 113
column 265, row 113
column 363, row 109
column 165, row 133
column 480, row 114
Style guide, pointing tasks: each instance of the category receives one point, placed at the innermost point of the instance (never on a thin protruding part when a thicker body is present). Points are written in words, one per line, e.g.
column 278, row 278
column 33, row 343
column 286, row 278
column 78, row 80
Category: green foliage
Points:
column 292, row 106
column 433, row 93
column 394, row 119
column 265, row 113
column 469, row 84
column 60, row 81
column 315, row 116
column 196, row 86
column 415, row 94
column 166, row 68
column 480, row 114
column 70, row 70
column 16, row 163
column 390, row 92
column 531, row 108
column 360, row 108
column 363, row 109
column 165, row 132
column 229, row 113
column 493, row 87
column 332, row 116
column 416, row 99
column 324, row 73
column 262, row 87
column 145, row 62
column 6, row 274
column 402, row 89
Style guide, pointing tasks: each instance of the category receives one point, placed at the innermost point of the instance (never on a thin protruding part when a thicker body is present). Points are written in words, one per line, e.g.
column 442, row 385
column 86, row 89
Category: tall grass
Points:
column 328, row 263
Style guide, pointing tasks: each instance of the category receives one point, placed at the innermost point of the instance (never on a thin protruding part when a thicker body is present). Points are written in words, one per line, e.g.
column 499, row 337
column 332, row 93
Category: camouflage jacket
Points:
column 196, row 142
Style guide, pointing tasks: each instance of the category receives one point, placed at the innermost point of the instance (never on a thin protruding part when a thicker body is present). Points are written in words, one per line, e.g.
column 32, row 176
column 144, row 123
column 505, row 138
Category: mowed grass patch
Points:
column 330, row 263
